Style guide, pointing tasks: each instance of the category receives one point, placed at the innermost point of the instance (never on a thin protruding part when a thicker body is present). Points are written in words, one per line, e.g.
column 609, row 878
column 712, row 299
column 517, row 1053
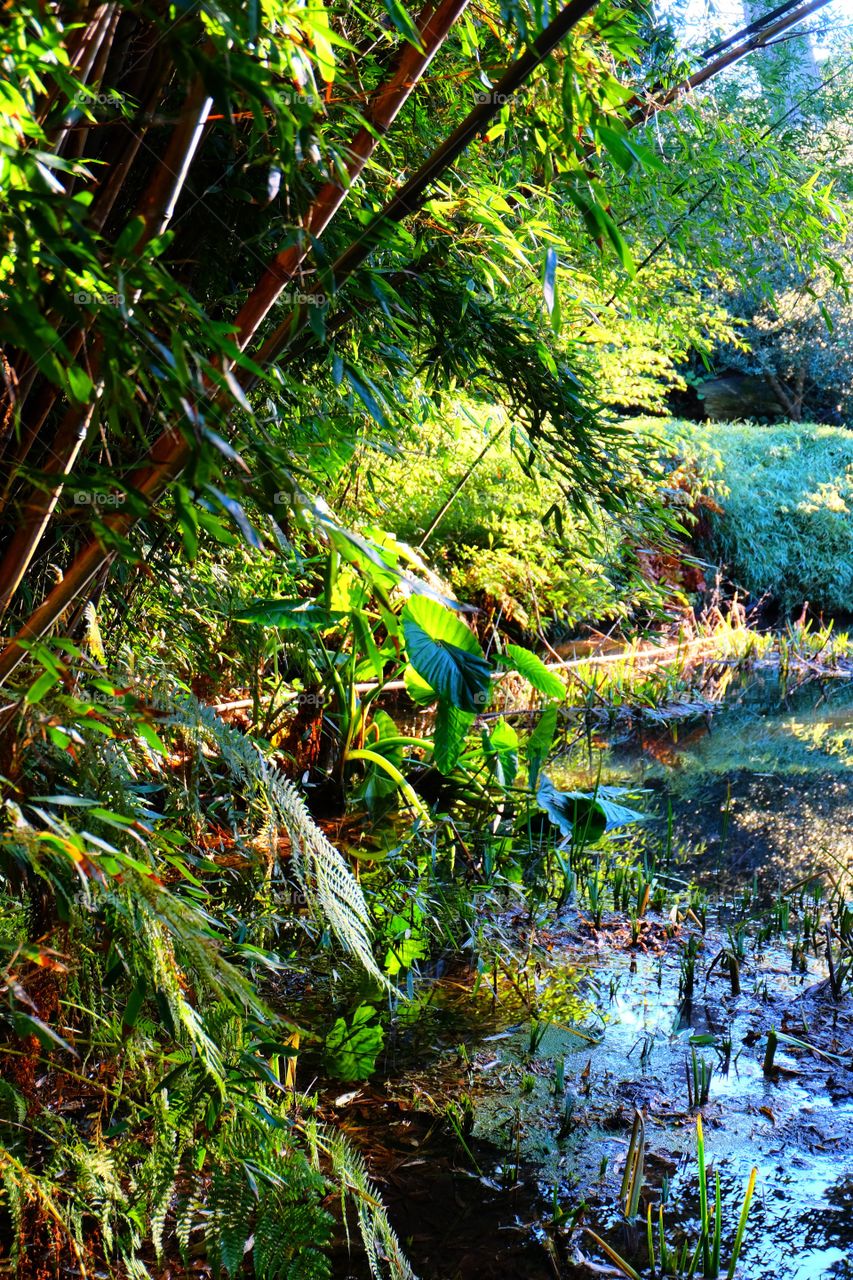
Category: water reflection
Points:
column 763, row 787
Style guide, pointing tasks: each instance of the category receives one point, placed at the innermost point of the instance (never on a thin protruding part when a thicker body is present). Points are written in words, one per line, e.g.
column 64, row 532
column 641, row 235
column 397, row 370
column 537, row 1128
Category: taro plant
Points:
column 353, row 1044
column 376, row 621
column 584, row 819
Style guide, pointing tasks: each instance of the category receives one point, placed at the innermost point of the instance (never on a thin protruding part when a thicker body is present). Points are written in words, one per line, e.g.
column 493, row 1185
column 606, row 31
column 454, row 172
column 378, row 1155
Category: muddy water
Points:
column 796, row 1127
column 545, row 1063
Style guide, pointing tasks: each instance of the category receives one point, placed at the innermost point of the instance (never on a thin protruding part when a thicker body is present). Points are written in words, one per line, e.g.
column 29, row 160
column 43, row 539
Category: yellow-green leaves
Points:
column 534, row 671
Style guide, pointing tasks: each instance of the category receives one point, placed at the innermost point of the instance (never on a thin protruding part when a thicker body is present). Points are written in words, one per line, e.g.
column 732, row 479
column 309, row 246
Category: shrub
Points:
column 787, row 496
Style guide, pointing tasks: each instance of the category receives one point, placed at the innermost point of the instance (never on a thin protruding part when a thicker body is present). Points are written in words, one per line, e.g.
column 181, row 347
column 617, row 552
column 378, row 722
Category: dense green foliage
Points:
column 787, row 521
column 505, row 540
column 256, row 326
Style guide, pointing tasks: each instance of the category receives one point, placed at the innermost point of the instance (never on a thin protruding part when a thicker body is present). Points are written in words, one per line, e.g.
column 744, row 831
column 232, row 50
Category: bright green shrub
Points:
column 787, row 498
column 508, row 541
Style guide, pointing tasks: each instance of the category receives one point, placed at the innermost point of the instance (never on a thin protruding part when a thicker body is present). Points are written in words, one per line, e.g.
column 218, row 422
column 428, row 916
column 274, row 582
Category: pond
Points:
column 507, row 1151
column 763, row 787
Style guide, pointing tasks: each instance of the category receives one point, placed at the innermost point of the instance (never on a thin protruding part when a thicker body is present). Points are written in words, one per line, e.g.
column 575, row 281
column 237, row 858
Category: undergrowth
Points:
column 150, row 861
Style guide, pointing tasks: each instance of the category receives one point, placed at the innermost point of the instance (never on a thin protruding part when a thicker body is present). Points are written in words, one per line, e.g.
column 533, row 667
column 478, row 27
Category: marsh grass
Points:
column 677, row 679
column 684, row 1259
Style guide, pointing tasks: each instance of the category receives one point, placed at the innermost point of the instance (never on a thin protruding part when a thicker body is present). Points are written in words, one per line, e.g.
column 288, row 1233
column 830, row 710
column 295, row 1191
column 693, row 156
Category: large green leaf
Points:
column 539, row 743
column 444, row 653
column 289, row 615
column 501, row 751
column 534, row 671
column 583, row 813
column 451, row 729
column 352, row 1049
column 417, row 688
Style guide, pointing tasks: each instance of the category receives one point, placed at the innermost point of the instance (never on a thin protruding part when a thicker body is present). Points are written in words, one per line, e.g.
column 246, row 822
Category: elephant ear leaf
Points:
column 534, row 671
column 589, row 814
column 451, row 730
column 417, row 689
column 446, row 655
column 540, row 742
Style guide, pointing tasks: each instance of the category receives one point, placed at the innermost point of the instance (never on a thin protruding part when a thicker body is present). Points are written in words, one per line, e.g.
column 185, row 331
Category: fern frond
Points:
column 92, row 633
column 230, row 1217
column 20, row 1185
column 384, row 1254
column 290, row 1236
column 12, row 1200
column 329, row 885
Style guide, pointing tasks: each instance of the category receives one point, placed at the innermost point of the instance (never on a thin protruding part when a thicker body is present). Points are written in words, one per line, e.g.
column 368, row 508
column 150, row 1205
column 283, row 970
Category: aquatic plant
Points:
column 567, row 1116
column 683, row 1260
column 699, row 1073
column 770, row 1052
column 536, row 1033
column 632, row 1178
column 459, row 1114
column 698, row 905
column 687, row 973
column 729, row 958
column 839, row 935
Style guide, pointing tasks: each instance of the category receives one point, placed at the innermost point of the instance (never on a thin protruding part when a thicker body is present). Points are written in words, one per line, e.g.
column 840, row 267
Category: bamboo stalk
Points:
column 159, row 202
column 736, row 48
column 37, row 512
column 433, row 24
column 77, row 138
column 413, row 193
column 156, row 210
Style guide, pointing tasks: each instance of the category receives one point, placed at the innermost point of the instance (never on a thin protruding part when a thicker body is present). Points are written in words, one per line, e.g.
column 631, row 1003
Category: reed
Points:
column 682, row 1260
column 699, row 1073
column 632, row 1178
